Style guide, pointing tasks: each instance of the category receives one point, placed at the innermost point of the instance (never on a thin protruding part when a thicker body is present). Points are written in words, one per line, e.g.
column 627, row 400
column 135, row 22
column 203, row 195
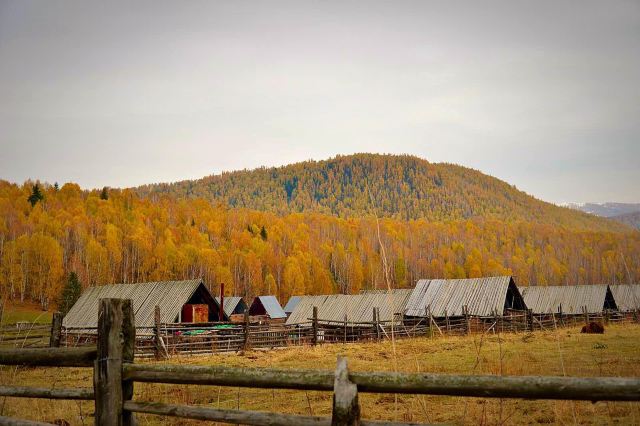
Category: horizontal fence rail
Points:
column 230, row 376
column 49, row 357
column 552, row 387
column 29, row 392
column 256, row 418
column 226, row 416
column 8, row 421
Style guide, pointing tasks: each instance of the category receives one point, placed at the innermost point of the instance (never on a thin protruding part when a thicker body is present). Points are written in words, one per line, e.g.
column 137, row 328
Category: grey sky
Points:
column 545, row 95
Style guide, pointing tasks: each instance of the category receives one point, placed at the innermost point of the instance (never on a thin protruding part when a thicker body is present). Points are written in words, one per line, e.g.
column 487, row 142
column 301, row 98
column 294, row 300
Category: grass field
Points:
column 25, row 312
column 616, row 353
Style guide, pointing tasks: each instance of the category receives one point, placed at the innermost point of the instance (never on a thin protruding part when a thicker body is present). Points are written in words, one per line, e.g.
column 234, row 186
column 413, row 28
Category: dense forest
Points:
column 396, row 186
column 113, row 235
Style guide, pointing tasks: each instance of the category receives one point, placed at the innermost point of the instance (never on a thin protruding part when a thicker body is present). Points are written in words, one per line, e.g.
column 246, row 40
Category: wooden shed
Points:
column 627, row 296
column 267, row 306
column 291, row 304
column 179, row 301
column 571, row 299
column 482, row 297
column 356, row 308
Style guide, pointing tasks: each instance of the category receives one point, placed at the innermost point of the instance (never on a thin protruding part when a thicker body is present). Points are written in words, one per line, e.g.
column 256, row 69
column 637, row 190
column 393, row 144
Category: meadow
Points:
column 562, row 352
column 29, row 312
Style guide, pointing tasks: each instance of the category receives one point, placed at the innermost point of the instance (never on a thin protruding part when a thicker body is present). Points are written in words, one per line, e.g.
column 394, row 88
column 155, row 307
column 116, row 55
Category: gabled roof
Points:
column 304, row 308
column 291, row 304
column 390, row 304
column 482, row 296
column 627, row 296
column 230, row 304
column 572, row 298
column 355, row 307
column 271, row 306
column 169, row 295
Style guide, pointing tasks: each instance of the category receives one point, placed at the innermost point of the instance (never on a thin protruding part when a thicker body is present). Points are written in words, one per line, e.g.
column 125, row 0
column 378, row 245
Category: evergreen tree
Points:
column 104, row 195
column 263, row 233
column 36, row 195
column 56, row 187
column 70, row 293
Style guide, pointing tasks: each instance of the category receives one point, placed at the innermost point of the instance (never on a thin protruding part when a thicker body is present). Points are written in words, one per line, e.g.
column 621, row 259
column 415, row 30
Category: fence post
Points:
column 56, row 330
column 345, row 329
column 246, row 330
column 467, row 324
column 427, row 315
column 116, row 344
column 560, row 314
column 160, row 350
column 446, row 319
column 530, row 319
column 346, row 410
column 376, row 323
column 314, row 326
column 586, row 314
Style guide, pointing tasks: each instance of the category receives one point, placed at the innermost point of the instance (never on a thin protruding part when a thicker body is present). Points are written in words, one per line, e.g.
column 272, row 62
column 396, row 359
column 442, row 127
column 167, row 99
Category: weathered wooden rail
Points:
column 553, row 387
column 49, row 357
column 24, row 334
column 115, row 374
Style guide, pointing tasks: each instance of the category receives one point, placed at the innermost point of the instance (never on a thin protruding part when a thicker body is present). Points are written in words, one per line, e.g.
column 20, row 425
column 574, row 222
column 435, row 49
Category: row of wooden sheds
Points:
column 478, row 297
column 179, row 301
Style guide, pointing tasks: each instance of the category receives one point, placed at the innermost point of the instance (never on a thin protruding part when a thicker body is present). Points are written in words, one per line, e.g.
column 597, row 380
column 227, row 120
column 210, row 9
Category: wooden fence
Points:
column 115, row 373
column 163, row 340
column 28, row 334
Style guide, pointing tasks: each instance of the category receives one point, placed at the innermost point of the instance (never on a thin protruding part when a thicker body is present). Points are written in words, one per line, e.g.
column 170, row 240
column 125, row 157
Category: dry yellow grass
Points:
column 25, row 312
column 616, row 353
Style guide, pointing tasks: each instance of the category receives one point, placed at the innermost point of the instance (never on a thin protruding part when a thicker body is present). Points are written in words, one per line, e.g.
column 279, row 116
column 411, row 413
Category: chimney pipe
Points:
column 221, row 316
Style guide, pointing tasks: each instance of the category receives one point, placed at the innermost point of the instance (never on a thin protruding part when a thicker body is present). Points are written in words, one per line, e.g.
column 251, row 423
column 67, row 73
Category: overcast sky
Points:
column 544, row 95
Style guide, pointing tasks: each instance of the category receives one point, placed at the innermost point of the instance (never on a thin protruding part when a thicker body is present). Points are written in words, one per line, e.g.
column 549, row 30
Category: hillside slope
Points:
column 631, row 219
column 399, row 186
column 116, row 236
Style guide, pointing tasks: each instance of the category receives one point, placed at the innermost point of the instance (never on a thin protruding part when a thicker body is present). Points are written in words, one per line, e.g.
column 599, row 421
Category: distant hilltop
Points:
column 605, row 209
column 627, row 213
column 397, row 186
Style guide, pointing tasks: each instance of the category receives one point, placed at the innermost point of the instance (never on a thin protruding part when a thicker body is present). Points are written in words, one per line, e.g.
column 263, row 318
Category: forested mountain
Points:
column 114, row 236
column 396, row 186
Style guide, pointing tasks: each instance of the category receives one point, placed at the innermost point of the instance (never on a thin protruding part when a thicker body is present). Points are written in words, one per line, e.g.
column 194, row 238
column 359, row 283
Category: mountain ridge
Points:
column 396, row 186
column 608, row 209
column 631, row 219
